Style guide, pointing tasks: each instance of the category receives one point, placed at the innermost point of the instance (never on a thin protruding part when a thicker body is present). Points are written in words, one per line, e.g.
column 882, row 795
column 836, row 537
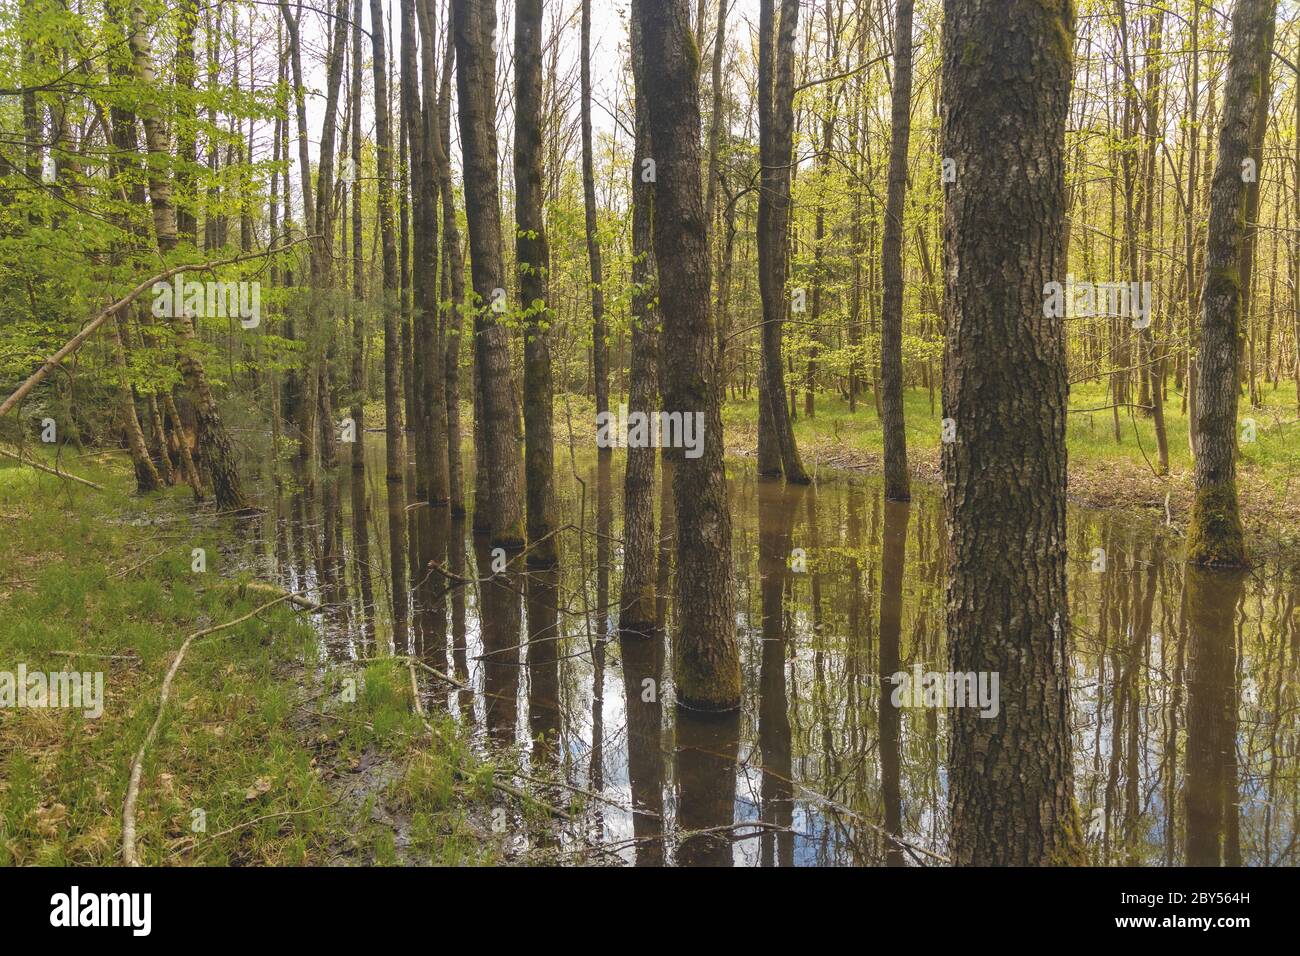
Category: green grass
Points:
column 834, row 425
column 1273, row 455
column 1270, row 460
column 256, row 726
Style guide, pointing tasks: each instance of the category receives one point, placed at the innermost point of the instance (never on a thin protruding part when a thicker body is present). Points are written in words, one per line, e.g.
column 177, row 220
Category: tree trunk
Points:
column 1153, row 351
column 1011, row 798
column 711, row 189
column 358, row 263
column 188, row 468
column 532, row 265
column 160, row 187
column 1295, row 246
column 707, row 656
column 637, row 602
column 1214, row 535
column 146, row 475
column 455, row 295
column 186, row 224
column 897, row 483
column 776, row 122
column 122, row 133
column 396, row 454
column 599, row 347
column 432, row 348
column 296, row 408
column 425, row 381
column 214, row 442
column 300, row 105
column 412, row 393
column 497, row 506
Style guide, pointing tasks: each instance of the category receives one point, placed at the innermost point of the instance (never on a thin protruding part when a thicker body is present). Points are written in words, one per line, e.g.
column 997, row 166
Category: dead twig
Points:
column 137, row 763
column 102, row 657
column 190, row 841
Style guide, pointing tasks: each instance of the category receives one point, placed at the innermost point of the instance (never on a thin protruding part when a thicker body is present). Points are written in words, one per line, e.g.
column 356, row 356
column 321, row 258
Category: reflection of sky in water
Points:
column 834, row 803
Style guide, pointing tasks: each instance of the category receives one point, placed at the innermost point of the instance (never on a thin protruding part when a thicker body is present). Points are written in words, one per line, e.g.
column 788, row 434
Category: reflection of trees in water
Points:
column 1213, row 833
column 776, row 510
column 430, row 528
column 499, row 633
column 1145, row 670
column 707, row 746
column 456, row 564
column 364, row 600
column 398, row 597
column 817, row 722
column 541, row 596
column 604, row 522
column 891, row 623
column 642, row 660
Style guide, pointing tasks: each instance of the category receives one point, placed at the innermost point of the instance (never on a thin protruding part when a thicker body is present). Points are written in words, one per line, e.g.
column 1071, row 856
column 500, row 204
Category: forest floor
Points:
column 1103, row 472
column 261, row 757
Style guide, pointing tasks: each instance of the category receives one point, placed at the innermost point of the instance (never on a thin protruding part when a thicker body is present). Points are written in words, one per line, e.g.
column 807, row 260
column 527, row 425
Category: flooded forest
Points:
column 646, row 433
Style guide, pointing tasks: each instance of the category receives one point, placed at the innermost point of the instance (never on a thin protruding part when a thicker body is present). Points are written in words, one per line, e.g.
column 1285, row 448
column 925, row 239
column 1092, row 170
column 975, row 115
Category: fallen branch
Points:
column 589, row 794
column 49, row 471
column 758, row 826
column 137, row 764
column 439, row 674
column 297, row 600
column 524, row 796
column 137, row 567
column 190, row 841
column 418, row 663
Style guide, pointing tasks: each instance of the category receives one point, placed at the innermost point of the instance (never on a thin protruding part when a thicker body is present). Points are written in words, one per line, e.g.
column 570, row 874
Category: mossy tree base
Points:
column 1215, row 538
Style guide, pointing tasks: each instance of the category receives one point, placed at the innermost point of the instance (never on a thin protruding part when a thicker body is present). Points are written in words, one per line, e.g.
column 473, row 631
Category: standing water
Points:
column 1184, row 684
